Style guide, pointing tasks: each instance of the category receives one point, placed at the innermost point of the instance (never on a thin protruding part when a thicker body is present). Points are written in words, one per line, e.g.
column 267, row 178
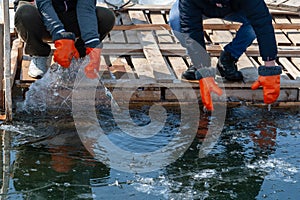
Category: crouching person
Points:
column 76, row 28
column 186, row 21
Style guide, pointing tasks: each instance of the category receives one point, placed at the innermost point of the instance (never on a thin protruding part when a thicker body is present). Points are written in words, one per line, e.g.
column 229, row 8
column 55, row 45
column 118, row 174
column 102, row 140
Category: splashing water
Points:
column 53, row 92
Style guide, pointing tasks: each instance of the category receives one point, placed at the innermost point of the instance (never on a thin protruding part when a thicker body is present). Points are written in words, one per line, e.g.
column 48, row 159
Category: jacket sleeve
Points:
column 50, row 18
column 261, row 20
column 88, row 23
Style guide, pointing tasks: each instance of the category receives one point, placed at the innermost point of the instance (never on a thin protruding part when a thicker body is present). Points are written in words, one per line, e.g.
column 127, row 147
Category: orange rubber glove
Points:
column 269, row 79
column 92, row 69
column 207, row 85
column 65, row 52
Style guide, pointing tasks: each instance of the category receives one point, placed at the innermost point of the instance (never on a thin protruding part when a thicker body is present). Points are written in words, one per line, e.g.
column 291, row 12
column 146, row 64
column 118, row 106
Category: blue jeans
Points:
column 243, row 39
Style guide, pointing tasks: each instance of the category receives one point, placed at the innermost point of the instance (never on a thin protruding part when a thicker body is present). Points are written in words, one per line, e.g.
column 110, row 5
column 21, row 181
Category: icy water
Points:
column 256, row 157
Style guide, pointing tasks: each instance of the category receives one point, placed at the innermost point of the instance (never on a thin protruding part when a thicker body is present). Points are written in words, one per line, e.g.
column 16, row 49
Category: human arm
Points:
column 260, row 18
column 63, row 41
column 269, row 74
column 88, row 25
column 50, row 18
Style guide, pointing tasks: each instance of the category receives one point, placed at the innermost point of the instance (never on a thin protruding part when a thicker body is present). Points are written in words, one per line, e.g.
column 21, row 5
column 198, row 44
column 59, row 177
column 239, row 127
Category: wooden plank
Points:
column 16, row 57
column 120, row 69
column 163, row 36
column 130, row 35
column 238, row 94
column 296, row 34
column 144, row 93
column 289, row 5
column 154, row 8
column 151, row 50
column 295, row 73
column 281, row 38
column 177, row 49
column 117, row 36
column 286, row 95
column 296, row 62
column 142, row 68
column 182, row 95
column 178, row 65
column 219, row 36
column 106, row 62
column 134, row 83
column 6, row 60
column 247, row 68
column 274, row 2
column 150, row 7
column 24, row 77
column 292, row 34
column 292, row 5
column 2, row 101
column 208, row 24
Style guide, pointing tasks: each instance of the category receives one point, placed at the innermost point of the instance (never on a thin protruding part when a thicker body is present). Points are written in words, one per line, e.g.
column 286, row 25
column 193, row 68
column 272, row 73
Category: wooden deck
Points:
column 290, row 5
column 142, row 51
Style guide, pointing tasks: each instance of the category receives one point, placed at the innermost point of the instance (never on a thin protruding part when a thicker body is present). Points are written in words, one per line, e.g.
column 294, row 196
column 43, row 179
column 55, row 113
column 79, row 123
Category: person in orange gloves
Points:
column 186, row 21
column 76, row 28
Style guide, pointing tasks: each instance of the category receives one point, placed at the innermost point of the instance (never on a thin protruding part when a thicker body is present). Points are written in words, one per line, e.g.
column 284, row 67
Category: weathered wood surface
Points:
column 289, row 5
column 2, row 107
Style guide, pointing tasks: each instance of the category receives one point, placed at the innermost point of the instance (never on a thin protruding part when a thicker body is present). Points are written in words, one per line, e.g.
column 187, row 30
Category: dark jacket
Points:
column 86, row 16
column 256, row 11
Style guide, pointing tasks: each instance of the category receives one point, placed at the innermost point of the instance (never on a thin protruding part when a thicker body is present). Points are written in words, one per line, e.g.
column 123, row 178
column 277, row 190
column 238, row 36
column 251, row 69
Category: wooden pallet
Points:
column 142, row 51
column 288, row 5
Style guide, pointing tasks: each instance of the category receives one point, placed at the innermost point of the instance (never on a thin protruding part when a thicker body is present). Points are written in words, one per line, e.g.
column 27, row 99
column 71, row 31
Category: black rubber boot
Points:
column 189, row 74
column 228, row 68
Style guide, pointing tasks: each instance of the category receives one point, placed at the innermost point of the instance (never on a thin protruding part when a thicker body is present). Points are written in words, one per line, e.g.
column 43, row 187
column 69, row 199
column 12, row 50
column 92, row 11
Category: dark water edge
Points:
column 256, row 157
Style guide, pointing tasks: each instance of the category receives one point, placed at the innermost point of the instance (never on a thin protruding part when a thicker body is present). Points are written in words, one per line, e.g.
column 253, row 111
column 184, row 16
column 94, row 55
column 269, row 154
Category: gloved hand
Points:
column 92, row 69
column 269, row 79
column 207, row 85
column 65, row 49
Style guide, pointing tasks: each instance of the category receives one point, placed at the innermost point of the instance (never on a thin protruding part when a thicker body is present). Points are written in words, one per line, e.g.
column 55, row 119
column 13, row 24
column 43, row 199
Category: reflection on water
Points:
column 255, row 157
